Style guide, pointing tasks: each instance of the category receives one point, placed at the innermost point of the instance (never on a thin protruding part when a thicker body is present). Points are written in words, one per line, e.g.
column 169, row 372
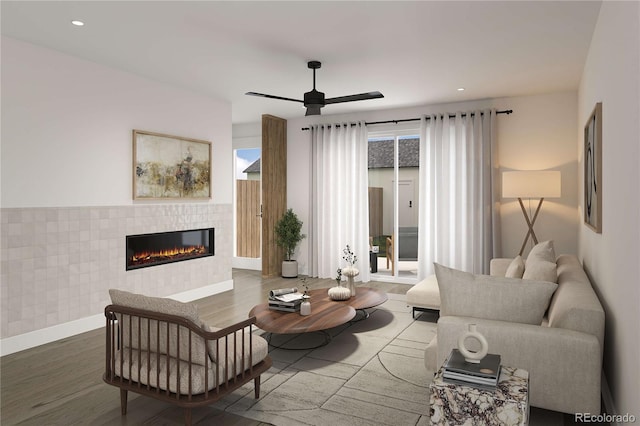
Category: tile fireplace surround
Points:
column 58, row 263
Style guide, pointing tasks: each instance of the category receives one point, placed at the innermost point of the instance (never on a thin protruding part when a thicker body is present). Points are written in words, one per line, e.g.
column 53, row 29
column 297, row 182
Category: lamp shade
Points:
column 531, row 184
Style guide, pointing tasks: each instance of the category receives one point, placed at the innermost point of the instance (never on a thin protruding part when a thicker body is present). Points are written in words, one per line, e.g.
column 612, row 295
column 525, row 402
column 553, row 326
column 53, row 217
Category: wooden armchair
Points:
column 159, row 348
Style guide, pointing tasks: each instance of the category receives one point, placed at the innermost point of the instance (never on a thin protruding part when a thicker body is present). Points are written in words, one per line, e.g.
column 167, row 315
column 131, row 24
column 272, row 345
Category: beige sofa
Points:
column 563, row 354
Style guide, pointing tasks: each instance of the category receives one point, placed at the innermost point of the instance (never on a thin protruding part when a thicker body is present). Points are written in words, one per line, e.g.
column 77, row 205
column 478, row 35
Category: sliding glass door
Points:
column 393, row 206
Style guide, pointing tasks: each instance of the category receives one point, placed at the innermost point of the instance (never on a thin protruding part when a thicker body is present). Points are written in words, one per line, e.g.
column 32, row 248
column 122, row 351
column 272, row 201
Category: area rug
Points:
column 372, row 372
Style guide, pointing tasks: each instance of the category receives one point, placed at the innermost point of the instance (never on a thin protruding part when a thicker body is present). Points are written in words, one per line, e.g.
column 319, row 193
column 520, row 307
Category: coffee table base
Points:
column 327, row 339
column 361, row 315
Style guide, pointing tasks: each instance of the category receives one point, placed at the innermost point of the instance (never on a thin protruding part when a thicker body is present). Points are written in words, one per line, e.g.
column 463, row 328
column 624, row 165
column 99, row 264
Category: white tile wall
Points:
column 57, row 264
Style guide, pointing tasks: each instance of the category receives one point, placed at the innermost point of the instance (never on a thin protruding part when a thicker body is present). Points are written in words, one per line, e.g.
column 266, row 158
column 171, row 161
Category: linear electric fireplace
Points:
column 167, row 247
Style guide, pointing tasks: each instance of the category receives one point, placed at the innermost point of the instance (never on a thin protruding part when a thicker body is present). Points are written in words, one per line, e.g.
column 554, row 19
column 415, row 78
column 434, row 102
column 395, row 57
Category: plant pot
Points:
column 289, row 268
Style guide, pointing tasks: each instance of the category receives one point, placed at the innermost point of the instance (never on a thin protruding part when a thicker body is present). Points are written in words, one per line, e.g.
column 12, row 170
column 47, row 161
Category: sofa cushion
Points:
column 541, row 270
column 516, row 268
column 490, row 297
column 151, row 333
column 425, row 294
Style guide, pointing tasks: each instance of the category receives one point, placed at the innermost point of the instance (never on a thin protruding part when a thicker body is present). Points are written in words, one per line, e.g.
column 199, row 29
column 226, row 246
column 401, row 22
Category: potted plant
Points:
column 288, row 236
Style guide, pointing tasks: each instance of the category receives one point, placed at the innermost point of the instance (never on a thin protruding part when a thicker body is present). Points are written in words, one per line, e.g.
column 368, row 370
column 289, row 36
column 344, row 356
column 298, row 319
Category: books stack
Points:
column 483, row 375
column 285, row 299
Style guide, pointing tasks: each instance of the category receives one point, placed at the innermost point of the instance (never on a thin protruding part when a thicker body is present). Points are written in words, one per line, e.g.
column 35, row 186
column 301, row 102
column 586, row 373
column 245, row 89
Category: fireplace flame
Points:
column 167, row 254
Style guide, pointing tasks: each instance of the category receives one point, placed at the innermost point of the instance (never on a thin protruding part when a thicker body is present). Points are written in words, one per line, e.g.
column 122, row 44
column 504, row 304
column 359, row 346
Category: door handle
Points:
column 410, row 204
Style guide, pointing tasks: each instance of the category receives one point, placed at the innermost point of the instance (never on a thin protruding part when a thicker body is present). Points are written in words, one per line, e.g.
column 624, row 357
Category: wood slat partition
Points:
column 274, row 190
column 248, row 219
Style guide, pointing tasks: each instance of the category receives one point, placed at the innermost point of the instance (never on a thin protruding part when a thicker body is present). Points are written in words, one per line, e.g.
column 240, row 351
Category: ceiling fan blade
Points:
column 351, row 98
column 262, row 95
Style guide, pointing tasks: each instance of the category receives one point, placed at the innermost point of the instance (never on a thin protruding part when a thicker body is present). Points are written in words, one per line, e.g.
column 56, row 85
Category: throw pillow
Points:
column 542, row 251
column 494, row 298
column 541, row 270
column 515, row 268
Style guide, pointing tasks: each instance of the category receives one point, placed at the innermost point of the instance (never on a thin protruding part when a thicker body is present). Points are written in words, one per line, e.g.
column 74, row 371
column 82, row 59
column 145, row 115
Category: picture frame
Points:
column 167, row 167
column 593, row 170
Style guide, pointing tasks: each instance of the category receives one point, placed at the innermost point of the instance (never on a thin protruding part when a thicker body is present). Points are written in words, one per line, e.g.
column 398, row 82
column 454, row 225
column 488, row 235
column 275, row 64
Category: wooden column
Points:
column 274, row 190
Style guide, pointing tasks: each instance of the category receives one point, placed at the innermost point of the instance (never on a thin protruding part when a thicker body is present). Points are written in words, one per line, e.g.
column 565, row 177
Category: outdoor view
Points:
column 247, row 169
column 383, row 209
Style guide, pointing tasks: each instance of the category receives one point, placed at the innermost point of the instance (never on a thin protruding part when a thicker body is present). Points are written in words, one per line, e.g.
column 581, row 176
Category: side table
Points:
column 459, row 404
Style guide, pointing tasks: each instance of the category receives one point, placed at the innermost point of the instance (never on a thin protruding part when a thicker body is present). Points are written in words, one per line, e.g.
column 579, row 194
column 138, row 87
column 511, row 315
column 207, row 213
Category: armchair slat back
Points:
column 173, row 359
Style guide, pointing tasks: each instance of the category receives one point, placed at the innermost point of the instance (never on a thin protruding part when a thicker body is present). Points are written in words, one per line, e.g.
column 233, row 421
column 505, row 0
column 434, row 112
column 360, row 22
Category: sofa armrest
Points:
column 498, row 266
column 564, row 365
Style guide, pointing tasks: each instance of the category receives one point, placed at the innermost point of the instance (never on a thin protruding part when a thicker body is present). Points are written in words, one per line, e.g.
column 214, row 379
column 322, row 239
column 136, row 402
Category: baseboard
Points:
column 35, row 338
column 254, row 264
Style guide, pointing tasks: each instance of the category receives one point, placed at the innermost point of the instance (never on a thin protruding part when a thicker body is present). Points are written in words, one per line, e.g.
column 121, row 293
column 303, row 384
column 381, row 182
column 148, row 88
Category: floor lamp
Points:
column 530, row 184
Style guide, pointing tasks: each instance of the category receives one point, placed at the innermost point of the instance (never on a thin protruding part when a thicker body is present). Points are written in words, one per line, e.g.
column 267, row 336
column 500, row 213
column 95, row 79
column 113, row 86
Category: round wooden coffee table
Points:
column 325, row 313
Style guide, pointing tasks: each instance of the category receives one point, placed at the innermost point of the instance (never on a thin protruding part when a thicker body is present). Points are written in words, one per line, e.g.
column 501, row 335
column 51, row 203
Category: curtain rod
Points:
column 506, row 111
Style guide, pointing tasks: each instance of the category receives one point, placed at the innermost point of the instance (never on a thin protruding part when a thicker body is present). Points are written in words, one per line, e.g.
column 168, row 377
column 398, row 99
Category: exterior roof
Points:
column 380, row 155
column 253, row 167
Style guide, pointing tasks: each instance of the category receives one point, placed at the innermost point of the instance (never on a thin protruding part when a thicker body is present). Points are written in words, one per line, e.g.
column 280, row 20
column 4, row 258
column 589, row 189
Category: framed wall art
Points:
column 593, row 170
column 170, row 167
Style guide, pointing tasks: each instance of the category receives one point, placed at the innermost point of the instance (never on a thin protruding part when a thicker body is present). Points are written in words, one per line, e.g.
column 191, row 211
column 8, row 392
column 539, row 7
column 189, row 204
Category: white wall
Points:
column 540, row 134
column 67, row 122
column 66, row 176
column 612, row 76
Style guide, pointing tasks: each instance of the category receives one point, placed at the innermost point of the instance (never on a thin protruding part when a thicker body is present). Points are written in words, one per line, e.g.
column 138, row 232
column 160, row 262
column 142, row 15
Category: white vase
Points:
column 351, row 285
column 305, row 308
column 339, row 292
column 469, row 356
column 350, row 272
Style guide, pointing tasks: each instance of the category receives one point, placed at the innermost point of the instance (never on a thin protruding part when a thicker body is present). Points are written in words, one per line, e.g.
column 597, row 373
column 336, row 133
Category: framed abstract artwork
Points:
column 170, row 167
column 593, row 170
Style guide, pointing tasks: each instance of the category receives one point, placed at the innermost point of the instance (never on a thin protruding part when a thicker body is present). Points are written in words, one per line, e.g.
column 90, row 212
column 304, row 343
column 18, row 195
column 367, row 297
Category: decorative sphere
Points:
column 339, row 293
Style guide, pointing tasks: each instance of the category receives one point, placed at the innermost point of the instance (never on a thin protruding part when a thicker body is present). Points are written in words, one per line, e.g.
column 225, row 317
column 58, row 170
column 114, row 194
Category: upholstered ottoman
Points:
column 424, row 296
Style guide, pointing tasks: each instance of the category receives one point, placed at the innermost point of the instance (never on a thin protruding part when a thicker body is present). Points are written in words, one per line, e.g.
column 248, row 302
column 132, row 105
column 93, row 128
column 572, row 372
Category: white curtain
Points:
column 459, row 195
column 339, row 198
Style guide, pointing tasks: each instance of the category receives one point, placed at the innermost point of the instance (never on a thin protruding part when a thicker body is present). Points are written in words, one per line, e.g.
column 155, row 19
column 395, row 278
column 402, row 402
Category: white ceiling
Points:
column 415, row 53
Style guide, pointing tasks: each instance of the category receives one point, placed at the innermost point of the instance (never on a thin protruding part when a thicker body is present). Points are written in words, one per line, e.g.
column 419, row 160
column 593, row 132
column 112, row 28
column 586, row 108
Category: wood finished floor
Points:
column 60, row 383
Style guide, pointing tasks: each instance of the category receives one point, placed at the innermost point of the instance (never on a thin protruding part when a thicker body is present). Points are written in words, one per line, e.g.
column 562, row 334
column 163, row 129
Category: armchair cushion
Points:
column 233, row 348
column 491, row 297
column 149, row 330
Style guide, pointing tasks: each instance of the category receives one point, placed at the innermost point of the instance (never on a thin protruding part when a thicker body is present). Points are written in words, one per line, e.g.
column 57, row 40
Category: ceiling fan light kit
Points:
column 315, row 100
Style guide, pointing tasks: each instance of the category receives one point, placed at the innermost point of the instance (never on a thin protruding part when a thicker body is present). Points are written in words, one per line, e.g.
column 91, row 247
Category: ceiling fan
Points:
column 315, row 100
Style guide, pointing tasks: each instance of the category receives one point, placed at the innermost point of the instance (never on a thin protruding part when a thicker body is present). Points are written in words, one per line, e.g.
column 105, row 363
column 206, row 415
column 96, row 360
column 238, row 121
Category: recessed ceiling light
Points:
column 77, row 23
column 460, row 89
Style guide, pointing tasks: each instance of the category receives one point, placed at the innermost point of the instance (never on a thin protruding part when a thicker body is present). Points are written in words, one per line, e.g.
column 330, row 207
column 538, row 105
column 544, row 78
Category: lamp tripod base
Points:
column 530, row 222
